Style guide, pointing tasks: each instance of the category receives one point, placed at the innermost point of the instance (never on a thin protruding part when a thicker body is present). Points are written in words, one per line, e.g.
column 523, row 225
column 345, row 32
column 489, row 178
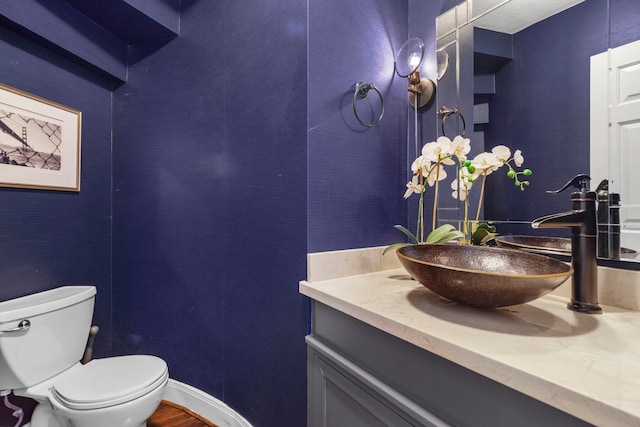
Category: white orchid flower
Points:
column 439, row 151
column 430, row 151
column 462, row 185
column 437, row 173
column 429, row 169
column 517, row 158
column 486, row 163
column 413, row 186
column 502, row 153
column 421, row 166
column 461, row 147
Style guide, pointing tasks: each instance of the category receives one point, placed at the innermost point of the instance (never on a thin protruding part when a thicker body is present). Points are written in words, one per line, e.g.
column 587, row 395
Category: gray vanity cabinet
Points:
column 342, row 400
column 360, row 376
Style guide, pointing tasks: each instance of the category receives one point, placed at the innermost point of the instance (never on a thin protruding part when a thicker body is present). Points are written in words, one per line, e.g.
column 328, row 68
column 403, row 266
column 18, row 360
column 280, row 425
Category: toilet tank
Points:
column 59, row 321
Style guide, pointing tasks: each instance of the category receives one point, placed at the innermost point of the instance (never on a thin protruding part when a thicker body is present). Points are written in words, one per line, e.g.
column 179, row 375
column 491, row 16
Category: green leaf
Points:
column 409, row 234
column 444, row 233
column 394, row 246
column 481, row 237
column 450, row 236
column 487, row 238
column 482, row 233
column 483, row 225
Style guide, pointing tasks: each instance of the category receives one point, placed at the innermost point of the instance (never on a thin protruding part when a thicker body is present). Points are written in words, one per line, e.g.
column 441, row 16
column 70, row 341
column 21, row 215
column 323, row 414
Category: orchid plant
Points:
column 429, row 170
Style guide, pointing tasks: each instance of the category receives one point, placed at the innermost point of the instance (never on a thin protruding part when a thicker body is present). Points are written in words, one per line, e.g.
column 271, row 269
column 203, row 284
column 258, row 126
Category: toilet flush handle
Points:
column 22, row 326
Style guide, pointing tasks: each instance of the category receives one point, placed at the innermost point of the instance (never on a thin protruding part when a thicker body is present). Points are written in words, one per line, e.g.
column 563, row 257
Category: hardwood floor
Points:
column 170, row 414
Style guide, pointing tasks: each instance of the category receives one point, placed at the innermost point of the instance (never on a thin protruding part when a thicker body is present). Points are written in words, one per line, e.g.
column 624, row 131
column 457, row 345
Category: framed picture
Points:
column 39, row 142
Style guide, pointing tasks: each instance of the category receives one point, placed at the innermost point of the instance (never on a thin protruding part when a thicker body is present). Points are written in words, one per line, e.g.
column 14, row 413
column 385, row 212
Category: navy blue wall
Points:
column 356, row 175
column 54, row 238
column 210, row 241
column 624, row 14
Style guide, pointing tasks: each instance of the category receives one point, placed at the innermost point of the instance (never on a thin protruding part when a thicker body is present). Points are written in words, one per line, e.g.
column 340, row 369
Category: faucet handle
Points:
column 603, row 186
column 580, row 181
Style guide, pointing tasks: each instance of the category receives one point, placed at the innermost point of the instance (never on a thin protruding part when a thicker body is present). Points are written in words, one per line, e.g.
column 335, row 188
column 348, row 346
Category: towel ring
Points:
column 362, row 90
column 445, row 112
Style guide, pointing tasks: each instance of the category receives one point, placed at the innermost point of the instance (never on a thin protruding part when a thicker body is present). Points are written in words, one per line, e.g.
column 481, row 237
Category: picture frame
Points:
column 39, row 142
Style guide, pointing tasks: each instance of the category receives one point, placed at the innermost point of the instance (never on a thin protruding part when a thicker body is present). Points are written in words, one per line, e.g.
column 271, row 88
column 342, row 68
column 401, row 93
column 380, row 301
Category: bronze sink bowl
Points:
column 545, row 245
column 559, row 245
column 482, row 276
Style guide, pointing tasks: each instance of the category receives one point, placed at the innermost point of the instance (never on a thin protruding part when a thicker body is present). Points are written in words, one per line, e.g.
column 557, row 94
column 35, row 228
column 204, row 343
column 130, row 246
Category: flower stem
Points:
column 465, row 224
column 484, row 177
column 435, row 196
column 421, row 211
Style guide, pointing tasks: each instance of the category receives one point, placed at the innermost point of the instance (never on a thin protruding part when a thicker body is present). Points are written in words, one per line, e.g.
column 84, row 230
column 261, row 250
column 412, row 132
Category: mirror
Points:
column 521, row 78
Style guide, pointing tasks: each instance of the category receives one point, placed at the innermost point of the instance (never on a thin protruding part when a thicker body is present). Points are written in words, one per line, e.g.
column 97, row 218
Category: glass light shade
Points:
column 409, row 57
column 442, row 62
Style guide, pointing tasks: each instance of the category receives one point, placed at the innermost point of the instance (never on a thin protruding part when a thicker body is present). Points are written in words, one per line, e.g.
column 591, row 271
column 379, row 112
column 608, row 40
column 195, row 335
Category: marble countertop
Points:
column 586, row 365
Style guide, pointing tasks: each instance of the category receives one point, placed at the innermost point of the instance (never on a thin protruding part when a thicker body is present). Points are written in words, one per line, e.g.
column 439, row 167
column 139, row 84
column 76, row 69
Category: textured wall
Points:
column 624, row 14
column 54, row 238
column 210, row 206
column 356, row 175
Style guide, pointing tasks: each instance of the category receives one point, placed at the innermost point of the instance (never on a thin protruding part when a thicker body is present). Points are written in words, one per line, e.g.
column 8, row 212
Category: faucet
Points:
column 582, row 221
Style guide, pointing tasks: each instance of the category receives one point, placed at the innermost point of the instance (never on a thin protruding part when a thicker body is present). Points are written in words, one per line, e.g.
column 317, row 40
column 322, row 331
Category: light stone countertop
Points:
column 586, row 365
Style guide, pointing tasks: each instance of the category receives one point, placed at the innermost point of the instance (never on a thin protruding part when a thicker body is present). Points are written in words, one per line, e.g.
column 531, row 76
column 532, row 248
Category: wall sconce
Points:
column 408, row 60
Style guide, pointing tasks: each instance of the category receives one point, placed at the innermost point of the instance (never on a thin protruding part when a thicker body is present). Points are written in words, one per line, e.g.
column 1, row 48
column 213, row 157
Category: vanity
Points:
column 385, row 350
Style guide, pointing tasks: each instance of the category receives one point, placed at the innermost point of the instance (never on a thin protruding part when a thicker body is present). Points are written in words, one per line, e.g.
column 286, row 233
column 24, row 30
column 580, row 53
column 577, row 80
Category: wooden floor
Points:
column 170, row 414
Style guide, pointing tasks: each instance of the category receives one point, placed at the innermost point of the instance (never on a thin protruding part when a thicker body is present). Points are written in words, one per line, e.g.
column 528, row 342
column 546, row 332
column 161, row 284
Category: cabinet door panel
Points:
column 343, row 403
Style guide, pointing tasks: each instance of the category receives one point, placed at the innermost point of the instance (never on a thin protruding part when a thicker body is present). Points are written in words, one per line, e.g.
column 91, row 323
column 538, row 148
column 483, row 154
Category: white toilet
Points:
column 42, row 339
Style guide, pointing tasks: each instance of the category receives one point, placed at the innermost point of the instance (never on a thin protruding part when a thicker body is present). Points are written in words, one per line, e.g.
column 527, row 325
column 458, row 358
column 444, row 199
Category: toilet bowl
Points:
column 120, row 391
column 39, row 358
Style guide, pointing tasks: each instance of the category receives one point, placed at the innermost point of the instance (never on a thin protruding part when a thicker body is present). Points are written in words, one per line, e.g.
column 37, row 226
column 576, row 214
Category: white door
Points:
column 619, row 132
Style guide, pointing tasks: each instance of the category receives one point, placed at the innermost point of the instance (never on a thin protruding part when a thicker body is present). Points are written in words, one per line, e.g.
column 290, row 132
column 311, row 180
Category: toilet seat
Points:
column 107, row 382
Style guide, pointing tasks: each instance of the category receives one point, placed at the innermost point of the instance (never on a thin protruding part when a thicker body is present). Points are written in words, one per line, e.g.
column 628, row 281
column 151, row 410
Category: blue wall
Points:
column 625, row 14
column 52, row 238
column 356, row 175
column 210, row 242
column 212, row 177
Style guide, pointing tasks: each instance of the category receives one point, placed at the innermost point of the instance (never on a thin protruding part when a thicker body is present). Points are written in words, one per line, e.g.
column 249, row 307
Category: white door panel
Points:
column 625, row 127
column 619, row 96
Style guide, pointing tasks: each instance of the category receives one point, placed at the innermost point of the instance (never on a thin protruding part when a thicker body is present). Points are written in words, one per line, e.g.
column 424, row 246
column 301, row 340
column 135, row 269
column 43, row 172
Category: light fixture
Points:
column 442, row 60
column 407, row 62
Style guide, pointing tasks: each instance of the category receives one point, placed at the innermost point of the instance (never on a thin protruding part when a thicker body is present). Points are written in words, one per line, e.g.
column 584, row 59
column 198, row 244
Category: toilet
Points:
column 42, row 339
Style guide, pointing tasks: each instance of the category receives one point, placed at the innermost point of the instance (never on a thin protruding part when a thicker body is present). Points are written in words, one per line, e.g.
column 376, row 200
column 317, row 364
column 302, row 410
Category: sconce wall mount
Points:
column 407, row 62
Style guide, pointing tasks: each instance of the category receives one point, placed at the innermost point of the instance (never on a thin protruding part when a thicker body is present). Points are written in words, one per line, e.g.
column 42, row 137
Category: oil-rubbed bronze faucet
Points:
column 582, row 220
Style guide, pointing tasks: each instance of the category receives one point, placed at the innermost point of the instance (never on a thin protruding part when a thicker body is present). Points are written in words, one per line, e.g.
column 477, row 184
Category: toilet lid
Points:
column 110, row 381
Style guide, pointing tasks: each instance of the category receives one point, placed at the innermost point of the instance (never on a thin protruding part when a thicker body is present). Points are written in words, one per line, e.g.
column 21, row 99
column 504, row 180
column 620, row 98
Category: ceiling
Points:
column 512, row 16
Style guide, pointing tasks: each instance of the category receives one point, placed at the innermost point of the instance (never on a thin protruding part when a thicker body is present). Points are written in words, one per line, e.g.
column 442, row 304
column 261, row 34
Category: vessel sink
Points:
column 556, row 245
column 483, row 276
column 546, row 245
